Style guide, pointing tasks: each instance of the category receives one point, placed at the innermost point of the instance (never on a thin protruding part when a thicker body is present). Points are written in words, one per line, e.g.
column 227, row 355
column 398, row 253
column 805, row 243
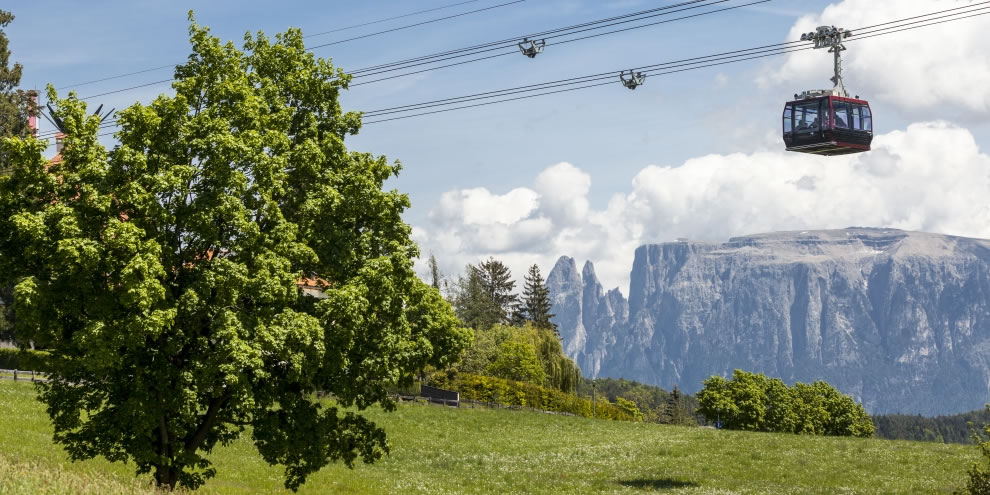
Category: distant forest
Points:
column 945, row 429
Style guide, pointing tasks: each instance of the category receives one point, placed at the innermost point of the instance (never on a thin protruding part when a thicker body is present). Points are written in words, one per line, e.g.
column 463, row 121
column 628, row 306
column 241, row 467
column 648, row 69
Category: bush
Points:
column 979, row 472
column 524, row 353
column 513, row 393
column 751, row 401
column 16, row 359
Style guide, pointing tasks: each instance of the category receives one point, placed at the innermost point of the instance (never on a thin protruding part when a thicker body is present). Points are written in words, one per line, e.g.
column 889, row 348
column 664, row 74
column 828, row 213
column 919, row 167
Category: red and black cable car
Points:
column 828, row 122
column 824, row 123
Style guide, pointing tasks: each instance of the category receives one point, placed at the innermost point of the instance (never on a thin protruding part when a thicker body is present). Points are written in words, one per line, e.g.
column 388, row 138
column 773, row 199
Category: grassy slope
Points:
column 441, row 450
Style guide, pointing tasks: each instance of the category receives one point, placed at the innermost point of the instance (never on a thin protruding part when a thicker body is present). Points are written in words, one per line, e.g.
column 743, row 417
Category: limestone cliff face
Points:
column 899, row 320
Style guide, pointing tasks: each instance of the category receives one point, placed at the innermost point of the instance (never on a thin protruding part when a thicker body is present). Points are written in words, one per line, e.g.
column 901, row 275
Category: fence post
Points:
column 15, row 375
column 32, row 376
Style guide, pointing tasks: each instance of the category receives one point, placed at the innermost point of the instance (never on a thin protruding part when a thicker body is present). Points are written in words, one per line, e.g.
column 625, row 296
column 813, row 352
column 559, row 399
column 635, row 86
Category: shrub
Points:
column 17, row 359
column 513, row 393
column 751, row 401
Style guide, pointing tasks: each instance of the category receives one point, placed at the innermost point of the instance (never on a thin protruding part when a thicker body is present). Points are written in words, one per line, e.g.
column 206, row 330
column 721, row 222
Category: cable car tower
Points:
column 827, row 121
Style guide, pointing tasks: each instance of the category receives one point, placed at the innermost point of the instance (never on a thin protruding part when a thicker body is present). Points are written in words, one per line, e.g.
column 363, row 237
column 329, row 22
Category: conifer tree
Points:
column 436, row 276
column 15, row 107
column 14, row 113
column 472, row 303
column 536, row 300
column 497, row 283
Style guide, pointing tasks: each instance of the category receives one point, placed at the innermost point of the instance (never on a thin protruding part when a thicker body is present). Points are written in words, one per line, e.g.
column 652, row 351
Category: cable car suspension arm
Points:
column 831, row 37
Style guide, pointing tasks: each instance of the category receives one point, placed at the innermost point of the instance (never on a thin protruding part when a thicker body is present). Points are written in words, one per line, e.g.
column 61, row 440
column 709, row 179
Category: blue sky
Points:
column 593, row 173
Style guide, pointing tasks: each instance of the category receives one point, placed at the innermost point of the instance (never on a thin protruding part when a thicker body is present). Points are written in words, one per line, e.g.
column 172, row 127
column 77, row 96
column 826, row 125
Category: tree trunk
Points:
column 166, row 477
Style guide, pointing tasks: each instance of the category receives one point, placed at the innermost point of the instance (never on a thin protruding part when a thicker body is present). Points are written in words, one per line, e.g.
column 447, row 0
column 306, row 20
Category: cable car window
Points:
column 867, row 118
column 856, row 113
column 788, row 118
column 806, row 116
column 841, row 115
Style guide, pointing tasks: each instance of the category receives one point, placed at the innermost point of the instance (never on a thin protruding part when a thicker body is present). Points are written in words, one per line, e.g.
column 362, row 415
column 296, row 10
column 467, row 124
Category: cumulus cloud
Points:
column 947, row 65
column 931, row 177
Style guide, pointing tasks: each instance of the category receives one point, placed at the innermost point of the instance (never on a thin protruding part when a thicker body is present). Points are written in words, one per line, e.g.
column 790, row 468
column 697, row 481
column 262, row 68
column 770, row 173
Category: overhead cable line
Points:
column 683, row 65
column 612, row 81
column 379, row 21
column 502, row 44
column 515, row 39
column 400, row 28
column 152, row 69
column 588, row 78
column 567, row 41
column 866, row 30
column 670, row 69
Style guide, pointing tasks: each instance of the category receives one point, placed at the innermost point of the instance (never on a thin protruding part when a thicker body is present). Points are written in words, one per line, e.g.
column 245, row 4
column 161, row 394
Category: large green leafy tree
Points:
column 162, row 275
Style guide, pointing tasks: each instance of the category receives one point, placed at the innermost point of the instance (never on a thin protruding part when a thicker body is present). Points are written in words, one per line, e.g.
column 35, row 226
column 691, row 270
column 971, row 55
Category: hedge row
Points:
column 16, row 359
column 513, row 393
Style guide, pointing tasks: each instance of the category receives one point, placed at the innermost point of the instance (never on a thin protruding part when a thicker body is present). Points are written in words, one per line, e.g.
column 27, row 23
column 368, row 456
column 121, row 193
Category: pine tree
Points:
column 15, row 107
column 536, row 301
column 497, row 283
column 435, row 274
column 675, row 414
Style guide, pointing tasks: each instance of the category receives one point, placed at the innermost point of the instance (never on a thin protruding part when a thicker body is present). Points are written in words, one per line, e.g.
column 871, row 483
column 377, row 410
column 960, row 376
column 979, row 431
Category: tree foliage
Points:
column 15, row 109
column 629, row 407
column 472, row 304
column 656, row 404
column 162, row 275
column 979, row 472
column 484, row 296
column 513, row 393
column 436, row 276
column 751, row 401
column 536, row 300
column 955, row 428
column 517, row 361
column 498, row 350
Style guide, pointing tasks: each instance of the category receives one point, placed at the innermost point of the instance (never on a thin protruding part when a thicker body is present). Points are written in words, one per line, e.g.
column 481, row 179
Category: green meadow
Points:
column 437, row 449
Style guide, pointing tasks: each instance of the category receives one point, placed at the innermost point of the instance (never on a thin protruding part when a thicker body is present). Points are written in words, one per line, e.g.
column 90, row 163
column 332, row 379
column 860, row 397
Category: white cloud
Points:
column 930, row 176
column 563, row 190
column 944, row 67
column 479, row 207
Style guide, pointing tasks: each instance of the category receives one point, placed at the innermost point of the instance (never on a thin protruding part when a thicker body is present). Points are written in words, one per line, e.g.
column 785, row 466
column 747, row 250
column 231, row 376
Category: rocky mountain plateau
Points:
column 899, row 320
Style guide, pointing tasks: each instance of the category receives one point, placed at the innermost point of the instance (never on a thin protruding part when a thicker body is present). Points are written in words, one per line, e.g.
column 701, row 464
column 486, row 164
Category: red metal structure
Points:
column 826, row 124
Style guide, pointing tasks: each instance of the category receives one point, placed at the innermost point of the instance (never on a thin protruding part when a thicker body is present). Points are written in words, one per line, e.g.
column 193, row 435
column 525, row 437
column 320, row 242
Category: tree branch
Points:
column 209, row 419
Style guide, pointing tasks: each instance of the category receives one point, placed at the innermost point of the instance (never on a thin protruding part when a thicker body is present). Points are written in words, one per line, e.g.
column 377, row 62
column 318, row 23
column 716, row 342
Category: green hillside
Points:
column 445, row 450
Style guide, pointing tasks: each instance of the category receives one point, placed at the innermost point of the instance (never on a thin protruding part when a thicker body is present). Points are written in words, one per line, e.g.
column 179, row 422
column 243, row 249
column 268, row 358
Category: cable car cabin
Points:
column 828, row 125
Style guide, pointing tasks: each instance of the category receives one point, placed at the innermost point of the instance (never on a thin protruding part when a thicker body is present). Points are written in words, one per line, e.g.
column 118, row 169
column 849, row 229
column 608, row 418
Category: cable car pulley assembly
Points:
column 532, row 48
column 634, row 79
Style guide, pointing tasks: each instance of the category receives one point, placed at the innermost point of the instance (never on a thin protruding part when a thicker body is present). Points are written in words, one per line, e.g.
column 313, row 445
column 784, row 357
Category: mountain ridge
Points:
column 898, row 319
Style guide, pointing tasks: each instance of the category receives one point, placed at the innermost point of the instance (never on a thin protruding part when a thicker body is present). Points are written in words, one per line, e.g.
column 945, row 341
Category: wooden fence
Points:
column 23, row 375
column 472, row 404
column 37, row 376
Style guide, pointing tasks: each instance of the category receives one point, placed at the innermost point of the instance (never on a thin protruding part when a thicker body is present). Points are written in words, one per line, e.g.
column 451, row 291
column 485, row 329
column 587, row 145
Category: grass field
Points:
column 445, row 450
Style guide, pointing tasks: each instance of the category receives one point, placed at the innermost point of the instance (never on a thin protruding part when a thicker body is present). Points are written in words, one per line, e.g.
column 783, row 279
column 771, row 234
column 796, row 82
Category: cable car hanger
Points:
column 532, row 48
column 831, row 37
column 634, row 80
